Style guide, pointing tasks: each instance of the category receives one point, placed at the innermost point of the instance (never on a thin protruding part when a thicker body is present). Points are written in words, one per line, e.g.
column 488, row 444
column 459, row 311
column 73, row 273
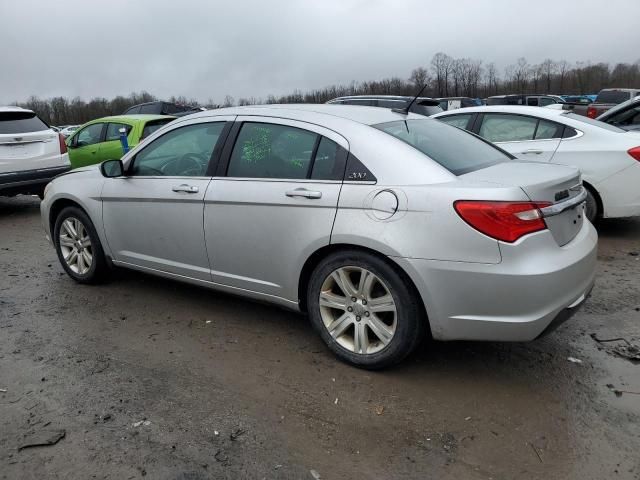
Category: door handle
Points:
column 531, row 152
column 185, row 188
column 303, row 192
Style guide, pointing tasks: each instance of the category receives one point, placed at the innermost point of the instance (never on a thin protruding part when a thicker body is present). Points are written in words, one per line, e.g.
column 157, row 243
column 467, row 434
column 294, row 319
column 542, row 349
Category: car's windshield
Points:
column 591, row 121
column 613, row 96
column 456, row 150
column 20, row 122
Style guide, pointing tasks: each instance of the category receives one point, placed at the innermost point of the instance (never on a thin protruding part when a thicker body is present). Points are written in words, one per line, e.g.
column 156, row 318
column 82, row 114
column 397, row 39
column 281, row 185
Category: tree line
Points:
column 444, row 76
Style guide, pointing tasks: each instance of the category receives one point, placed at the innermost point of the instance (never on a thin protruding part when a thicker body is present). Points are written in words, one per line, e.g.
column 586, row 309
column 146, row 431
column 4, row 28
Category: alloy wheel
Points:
column 75, row 245
column 358, row 310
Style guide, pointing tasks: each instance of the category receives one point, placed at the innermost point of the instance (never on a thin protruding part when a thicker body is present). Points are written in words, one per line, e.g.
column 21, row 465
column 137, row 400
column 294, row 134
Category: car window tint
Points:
column 113, row 131
column 507, row 128
column 533, row 101
column 392, row 103
column 265, row 150
column 435, row 139
column 20, row 122
column 329, row 161
column 89, row 135
column 152, row 126
column 152, row 108
column 361, row 102
column 183, row 152
column 544, row 101
column 546, row 130
column 460, row 121
column 626, row 117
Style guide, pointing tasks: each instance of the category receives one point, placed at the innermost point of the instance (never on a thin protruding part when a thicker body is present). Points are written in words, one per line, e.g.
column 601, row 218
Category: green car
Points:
column 99, row 140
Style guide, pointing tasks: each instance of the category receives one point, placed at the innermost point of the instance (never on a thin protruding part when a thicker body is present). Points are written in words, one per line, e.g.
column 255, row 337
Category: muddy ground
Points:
column 147, row 377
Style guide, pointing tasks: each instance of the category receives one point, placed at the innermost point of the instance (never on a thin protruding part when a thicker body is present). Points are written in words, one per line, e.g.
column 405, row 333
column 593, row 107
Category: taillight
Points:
column 592, row 112
column 63, row 145
column 635, row 153
column 506, row 221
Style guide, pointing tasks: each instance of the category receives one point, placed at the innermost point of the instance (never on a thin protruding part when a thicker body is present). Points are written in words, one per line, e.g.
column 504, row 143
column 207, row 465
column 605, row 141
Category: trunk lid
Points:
column 542, row 182
column 22, row 151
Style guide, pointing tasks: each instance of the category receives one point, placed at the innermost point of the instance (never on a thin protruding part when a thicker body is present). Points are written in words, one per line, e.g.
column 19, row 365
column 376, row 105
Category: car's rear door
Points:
column 153, row 216
column 272, row 203
column 111, row 147
column 526, row 137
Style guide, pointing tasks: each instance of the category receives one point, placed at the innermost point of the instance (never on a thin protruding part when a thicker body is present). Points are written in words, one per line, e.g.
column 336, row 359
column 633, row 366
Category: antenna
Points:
column 405, row 110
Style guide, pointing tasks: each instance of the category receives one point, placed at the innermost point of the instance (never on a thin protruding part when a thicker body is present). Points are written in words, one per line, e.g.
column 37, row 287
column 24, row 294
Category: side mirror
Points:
column 112, row 168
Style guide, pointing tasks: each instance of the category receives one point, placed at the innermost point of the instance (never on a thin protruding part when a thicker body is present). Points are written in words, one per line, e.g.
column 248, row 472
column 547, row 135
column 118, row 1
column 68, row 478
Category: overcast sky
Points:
column 207, row 49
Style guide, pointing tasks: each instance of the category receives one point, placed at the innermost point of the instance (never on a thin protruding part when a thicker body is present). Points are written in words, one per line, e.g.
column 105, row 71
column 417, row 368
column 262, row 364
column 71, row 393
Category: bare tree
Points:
column 419, row 77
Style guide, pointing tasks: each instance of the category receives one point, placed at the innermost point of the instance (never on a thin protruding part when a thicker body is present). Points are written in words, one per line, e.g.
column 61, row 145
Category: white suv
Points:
column 31, row 153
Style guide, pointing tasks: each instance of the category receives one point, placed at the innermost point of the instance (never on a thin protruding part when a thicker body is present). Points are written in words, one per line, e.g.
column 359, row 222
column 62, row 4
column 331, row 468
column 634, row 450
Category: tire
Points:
column 592, row 208
column 369, row 333
column 86, row 245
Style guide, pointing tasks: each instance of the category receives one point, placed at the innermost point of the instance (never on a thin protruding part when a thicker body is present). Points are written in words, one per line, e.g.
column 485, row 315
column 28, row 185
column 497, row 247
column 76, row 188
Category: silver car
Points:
column 381, row 226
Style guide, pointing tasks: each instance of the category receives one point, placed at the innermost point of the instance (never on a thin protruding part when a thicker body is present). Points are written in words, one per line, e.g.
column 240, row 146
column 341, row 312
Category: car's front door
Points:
column 111, row 147
column 85, row 145
column 526, row 137
column 272, row 203
column 153, row 216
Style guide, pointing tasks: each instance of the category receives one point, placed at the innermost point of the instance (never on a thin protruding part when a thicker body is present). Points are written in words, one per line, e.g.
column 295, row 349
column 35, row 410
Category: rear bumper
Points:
column 515, row 300
column 620, row 193
column 28, row 181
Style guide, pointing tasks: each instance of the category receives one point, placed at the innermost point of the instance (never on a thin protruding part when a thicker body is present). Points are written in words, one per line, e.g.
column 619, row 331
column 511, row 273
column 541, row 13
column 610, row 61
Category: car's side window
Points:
column 547, row 130
column 329, row 161
column 89, row 135
column 183, row 152
column 460, row 121
column 532, row 101
column 113, row 131
column 267, row 150
column 497, row 127
column 544, row 101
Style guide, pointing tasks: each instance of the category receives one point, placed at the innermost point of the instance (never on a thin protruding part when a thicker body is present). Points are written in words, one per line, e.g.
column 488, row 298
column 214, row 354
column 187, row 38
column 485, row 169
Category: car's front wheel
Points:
column 78, row 246
column 364, row 309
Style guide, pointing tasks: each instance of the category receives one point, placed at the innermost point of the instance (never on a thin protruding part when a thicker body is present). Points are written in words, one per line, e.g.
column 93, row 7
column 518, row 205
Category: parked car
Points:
column 162, row 108
column 608, row 157
column 68, row 130
column 379, row 225
column 578, row 99
column 625, row 115
column 453, row 103
column 99, row 139
column 31, row 153
column 608, row 98
column 422, row 106
column 530, row 100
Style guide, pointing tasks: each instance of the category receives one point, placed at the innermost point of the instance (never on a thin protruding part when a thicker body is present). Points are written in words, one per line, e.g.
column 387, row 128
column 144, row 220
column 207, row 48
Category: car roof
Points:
column 309, row 112
column 378, row 97
column 549, row 113
column 132, row 118
column 14, row 109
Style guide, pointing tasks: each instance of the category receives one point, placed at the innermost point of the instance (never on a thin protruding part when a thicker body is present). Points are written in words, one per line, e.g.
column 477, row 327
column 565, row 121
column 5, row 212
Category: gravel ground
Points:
column 147, row 377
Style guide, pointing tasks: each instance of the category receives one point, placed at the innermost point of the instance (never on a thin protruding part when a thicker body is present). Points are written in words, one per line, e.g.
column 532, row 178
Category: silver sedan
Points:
column 382, row 226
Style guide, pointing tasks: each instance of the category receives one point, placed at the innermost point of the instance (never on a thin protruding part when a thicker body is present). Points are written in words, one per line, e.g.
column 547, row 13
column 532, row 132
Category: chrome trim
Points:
column 558, row 208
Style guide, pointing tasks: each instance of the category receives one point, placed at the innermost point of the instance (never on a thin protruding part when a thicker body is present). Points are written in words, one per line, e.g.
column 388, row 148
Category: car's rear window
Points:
column 591, row 121
column 456, row 150
column 154, row 125
column 20, row 122
column 613, row 96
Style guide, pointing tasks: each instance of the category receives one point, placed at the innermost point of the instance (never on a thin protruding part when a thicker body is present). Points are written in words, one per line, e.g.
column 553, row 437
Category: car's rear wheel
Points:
column 78, row 246
column 592, row 209
column 364, row 309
